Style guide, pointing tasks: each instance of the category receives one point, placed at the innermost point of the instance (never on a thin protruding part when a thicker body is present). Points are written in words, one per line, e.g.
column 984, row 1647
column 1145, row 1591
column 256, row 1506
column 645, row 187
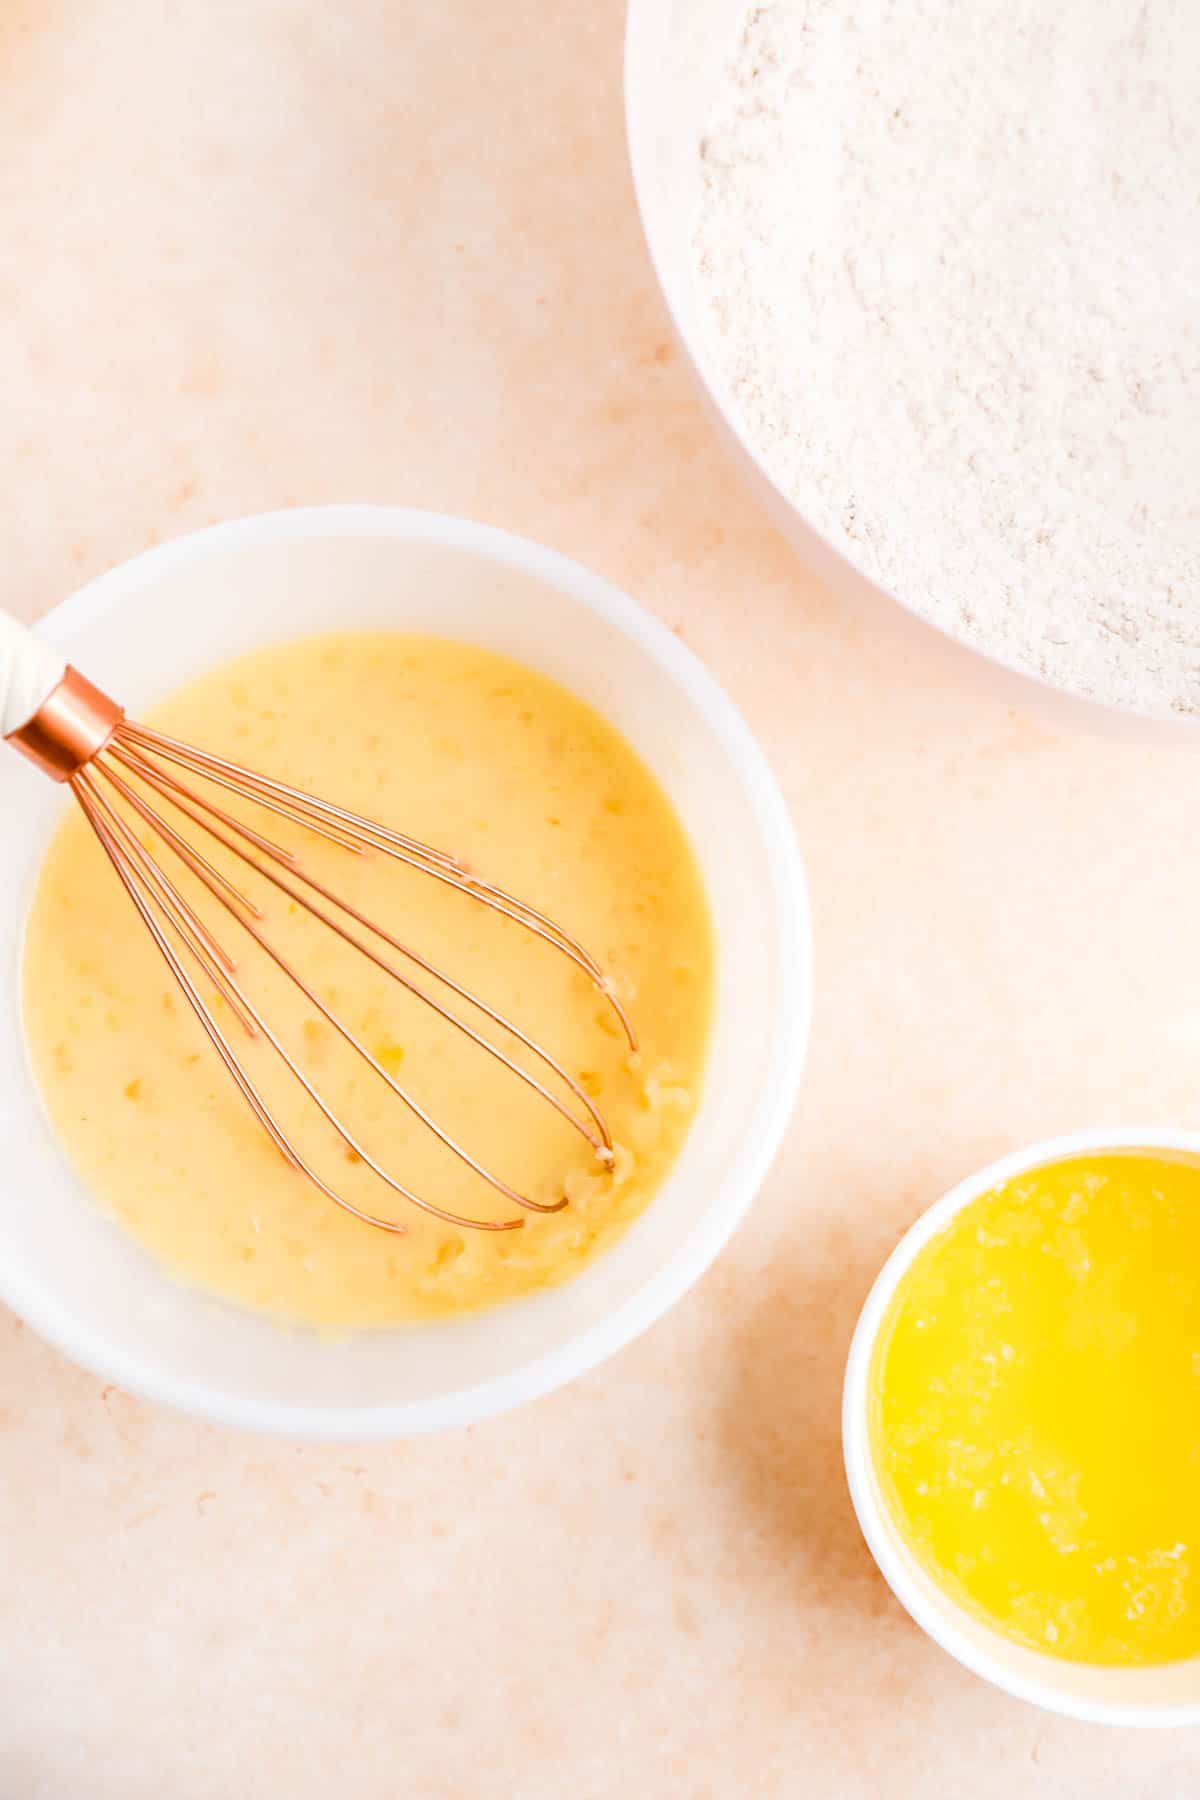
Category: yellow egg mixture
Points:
column 475, row 754
column 1036, row 1396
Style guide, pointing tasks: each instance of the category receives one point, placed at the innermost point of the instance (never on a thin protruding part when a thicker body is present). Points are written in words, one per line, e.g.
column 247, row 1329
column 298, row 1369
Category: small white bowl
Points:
column 1166, row 1695
column 83, row 1283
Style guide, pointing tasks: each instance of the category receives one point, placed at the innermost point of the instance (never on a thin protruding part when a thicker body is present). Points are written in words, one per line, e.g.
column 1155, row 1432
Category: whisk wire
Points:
column 360, row 833
column 216, row 962
column 131, row 862
column 130, row 765
column 202, row 813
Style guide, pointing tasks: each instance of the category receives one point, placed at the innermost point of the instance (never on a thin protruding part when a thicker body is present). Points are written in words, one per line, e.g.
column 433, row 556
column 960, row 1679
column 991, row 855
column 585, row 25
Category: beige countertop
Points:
column 255, row 253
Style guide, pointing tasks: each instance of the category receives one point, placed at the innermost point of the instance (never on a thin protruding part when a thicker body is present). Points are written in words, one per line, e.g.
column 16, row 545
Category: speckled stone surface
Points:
column 256, row 254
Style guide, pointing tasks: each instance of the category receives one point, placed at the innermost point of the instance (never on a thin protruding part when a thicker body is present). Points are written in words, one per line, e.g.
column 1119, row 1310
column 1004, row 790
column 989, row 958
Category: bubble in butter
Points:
column 466, row 750
column 1036, row 1409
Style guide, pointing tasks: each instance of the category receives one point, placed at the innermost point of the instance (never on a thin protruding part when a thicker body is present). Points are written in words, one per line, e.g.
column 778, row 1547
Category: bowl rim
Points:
column 940, row 1616
column 693, row 1254
column 829, row 561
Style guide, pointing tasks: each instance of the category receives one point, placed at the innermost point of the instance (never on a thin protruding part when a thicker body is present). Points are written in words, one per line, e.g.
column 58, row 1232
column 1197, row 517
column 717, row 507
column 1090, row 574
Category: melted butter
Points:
column 471, row 752
column 1037, row 1409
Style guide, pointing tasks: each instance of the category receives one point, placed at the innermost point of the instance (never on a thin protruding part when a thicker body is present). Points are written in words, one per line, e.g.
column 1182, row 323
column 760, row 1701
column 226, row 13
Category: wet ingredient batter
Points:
column 471, row 752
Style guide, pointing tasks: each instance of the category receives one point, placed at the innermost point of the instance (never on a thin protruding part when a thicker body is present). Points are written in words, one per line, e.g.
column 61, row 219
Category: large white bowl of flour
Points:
column 938, row 267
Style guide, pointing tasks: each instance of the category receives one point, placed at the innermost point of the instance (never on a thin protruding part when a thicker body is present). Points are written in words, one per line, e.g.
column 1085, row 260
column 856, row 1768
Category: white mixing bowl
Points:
column 139, row 631
column 1165, row 1695
column 675, row 53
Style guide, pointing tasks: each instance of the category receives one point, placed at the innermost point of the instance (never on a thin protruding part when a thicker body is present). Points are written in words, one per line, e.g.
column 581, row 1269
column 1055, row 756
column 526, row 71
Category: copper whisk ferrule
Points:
column 72, row 725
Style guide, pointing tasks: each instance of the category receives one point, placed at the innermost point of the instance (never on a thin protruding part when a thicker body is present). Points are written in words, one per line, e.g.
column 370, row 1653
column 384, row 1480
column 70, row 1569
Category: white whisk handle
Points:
column 29, row 672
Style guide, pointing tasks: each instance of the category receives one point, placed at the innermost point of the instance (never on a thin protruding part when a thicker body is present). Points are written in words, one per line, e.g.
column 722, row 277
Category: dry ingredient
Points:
column 949, row 254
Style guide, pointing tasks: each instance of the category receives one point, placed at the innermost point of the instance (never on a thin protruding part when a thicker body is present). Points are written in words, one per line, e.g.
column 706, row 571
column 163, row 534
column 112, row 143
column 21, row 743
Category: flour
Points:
column 949, row 253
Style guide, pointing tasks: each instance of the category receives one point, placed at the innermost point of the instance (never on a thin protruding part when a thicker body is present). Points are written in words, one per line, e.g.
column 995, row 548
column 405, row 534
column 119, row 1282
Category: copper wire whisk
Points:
column 120, row 771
